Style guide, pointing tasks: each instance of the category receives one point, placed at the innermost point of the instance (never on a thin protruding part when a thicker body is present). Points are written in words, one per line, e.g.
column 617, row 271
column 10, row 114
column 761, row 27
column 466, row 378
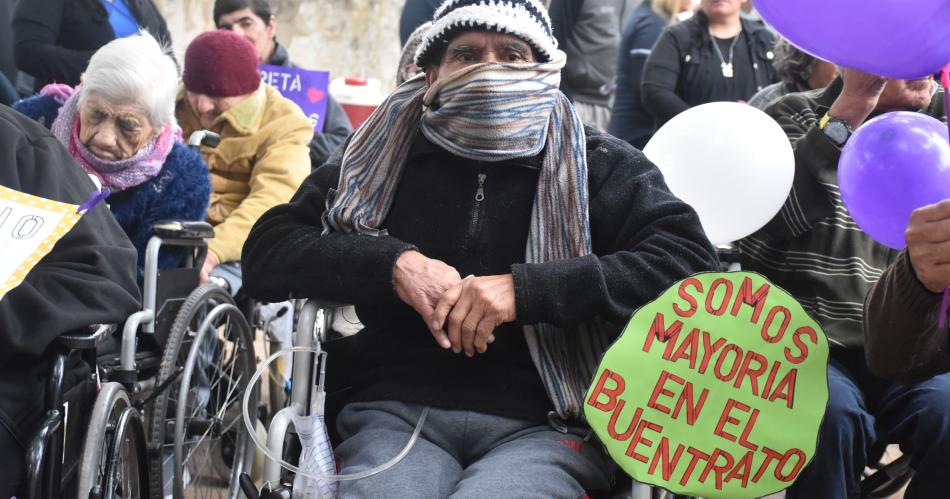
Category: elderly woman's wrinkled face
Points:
column 113, row 131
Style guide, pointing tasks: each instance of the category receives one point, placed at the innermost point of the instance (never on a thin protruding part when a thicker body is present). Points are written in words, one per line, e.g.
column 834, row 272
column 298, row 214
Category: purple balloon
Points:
column 891, row 166
column 894, row 38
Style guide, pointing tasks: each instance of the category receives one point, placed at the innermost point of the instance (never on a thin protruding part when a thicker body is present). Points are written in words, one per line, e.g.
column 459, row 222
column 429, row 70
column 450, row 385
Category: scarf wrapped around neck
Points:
column 118, row 175
column 490, row 112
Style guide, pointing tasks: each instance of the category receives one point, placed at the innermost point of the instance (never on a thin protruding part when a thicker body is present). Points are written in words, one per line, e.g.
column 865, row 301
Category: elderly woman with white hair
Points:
column 119, row 125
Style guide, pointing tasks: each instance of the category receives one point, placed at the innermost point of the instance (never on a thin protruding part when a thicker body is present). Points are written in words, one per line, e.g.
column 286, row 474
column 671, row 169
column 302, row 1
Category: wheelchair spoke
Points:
column 197, row 445
column 204, row 464
column 225, row 371
column 231, row 425
column 221, row 374
column 202, row 475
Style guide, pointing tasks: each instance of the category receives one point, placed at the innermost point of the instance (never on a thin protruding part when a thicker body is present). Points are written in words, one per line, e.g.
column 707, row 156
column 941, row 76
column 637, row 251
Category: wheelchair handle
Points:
column 205, row 138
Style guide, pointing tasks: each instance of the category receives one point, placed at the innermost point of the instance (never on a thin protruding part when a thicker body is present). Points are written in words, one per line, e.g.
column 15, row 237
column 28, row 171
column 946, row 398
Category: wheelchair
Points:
column 314, row 329
column 155, row 413
column 119, row 446
column 307, row 382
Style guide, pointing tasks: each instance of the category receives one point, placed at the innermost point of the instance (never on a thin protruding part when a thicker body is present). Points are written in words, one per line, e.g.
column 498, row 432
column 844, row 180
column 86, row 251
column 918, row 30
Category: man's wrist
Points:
column 406, row 259
column 835, row 130
column 852, row 110
column 212, row 258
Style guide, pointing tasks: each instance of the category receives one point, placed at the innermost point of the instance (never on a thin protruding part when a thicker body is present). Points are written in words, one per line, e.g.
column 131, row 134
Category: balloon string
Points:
column 945, row 80
column 944, row 309
column 945, row 303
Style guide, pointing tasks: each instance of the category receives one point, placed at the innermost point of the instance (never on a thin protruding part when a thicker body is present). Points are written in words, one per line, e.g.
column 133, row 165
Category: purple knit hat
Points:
column 221, row 64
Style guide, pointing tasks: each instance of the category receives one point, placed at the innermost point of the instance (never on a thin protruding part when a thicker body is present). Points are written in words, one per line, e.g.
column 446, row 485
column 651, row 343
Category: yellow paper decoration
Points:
column 29, row 228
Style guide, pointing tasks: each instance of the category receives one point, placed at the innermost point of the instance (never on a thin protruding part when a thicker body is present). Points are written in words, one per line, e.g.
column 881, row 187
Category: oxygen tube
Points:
column 251, row 429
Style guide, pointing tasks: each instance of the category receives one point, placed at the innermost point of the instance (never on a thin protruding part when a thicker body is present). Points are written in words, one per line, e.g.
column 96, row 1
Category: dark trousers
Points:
column 865, row 413
column 13, row 465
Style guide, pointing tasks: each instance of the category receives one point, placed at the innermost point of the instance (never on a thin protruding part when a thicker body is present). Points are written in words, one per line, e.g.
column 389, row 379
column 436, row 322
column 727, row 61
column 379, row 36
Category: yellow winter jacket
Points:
column 261, row 160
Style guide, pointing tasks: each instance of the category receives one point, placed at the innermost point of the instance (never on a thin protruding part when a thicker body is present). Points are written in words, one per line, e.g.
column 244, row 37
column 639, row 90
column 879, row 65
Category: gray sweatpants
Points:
column 462, row 454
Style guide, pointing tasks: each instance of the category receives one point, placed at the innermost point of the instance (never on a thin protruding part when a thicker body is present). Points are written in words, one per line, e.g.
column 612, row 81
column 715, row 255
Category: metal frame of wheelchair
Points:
column 128, row 434
column 312, row 328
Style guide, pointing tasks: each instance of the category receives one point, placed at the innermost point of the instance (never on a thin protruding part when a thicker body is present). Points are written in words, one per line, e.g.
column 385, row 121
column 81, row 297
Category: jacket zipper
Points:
column 476, row 208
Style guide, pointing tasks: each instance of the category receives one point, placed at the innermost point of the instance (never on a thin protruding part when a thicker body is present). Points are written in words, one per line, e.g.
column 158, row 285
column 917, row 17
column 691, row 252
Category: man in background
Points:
column 588, row 31
column 262, row 157
column 254, row 20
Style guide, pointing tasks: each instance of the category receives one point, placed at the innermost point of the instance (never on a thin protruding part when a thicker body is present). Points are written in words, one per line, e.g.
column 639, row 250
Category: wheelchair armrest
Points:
column 317, row 303
column 87, row 339
column 307, row 321
column 182, row 229
column 727, row 253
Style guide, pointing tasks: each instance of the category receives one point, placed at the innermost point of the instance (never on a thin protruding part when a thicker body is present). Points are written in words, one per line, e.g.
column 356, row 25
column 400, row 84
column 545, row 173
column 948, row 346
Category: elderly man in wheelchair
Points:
column 561, row 230
column 263, row 153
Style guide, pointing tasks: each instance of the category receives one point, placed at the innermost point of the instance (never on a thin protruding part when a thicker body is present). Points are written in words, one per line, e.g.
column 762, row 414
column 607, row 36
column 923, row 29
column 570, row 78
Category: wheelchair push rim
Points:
column 114, row 462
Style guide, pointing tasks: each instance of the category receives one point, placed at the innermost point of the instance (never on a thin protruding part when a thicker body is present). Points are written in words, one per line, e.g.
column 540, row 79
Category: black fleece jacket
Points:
column 644, row 239
column 88, row 277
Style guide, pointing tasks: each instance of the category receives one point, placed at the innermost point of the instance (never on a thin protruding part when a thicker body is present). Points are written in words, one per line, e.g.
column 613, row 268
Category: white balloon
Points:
column 731, row 162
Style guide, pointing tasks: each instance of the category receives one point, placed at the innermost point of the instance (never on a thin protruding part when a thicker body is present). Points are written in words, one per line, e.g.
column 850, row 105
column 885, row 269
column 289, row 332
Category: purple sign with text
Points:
column 308, row 89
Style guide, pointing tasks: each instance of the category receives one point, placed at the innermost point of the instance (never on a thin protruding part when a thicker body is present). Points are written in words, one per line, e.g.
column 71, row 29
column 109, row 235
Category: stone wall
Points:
column 345, row 37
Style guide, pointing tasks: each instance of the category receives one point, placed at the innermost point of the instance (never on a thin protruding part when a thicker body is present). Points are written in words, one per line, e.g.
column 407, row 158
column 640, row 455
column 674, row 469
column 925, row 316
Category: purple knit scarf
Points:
column 116, row 175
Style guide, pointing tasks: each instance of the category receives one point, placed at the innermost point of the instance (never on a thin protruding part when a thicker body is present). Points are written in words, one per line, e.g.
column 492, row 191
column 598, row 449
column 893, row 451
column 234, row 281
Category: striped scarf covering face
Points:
column 489, row 112
column 492, row 112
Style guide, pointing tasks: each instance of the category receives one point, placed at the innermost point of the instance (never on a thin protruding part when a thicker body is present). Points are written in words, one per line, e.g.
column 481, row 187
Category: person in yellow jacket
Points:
column 263, row 155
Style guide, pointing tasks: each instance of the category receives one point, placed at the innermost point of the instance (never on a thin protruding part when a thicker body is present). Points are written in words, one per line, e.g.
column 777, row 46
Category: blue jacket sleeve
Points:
column 41, row 108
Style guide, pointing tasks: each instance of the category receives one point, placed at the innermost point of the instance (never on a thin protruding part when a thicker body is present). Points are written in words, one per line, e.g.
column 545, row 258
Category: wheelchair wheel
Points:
column 199, row 443
column 114, row 463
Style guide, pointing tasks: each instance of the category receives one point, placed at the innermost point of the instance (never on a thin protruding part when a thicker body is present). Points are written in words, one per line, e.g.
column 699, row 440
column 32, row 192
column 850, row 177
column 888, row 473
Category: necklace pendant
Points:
column 727, row 70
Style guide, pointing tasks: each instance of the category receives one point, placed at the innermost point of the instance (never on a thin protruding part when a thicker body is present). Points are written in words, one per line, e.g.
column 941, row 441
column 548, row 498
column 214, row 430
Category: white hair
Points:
column 135, row 70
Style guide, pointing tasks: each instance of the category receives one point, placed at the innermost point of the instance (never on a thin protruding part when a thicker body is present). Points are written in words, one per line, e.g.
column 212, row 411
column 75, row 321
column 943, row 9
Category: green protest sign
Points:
column 715, row 389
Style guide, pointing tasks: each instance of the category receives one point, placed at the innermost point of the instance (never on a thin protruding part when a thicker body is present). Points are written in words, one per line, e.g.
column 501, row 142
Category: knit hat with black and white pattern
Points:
column 525, row 19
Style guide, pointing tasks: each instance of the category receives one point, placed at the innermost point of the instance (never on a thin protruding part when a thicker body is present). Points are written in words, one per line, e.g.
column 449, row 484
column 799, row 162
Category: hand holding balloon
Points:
column 928, row 245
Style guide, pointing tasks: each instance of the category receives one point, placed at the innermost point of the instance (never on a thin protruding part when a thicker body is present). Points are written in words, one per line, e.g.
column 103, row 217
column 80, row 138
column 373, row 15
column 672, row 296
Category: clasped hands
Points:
column 461, row 314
